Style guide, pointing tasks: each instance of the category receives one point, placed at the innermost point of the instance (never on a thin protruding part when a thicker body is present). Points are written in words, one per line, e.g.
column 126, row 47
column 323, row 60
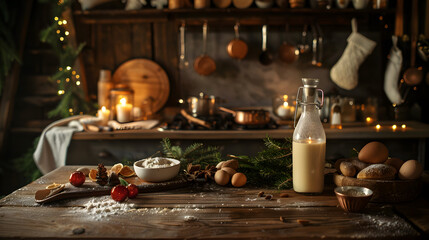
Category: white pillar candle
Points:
column 285, row 111
column 124, row 111
column 104, row 115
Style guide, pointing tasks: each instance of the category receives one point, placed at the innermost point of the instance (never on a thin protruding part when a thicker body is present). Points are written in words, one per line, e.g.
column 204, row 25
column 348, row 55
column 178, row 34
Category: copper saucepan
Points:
column 204, row 65
column 249, row 116
column 237, row 48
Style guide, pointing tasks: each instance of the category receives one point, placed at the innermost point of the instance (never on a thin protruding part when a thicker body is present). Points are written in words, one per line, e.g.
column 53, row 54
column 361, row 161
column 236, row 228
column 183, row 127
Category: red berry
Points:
column 132, row 190
column 119, row 193
column 77, row 178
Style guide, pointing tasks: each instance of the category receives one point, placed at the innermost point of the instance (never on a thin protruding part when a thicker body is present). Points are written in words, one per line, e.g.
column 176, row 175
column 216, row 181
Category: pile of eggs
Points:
column 373, row 162
column 227, row 172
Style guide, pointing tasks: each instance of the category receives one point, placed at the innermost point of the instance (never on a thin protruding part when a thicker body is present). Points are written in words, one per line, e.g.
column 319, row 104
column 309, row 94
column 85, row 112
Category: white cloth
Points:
column 52, row 148
column 391, row 75
column 345, row 72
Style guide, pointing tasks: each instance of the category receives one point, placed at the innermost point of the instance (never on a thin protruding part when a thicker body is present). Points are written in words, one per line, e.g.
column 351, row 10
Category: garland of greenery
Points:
column 73, row 99
column 272, row 167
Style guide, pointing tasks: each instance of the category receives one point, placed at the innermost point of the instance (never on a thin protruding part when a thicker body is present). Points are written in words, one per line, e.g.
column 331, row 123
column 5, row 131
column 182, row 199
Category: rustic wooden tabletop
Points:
column 204, row 211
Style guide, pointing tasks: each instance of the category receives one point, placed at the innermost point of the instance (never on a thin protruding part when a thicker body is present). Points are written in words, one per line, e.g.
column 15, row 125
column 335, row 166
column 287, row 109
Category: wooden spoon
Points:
column 288, row 53
column 204, row 65
column 265, row 58
column 237, row 48
column 412, row 75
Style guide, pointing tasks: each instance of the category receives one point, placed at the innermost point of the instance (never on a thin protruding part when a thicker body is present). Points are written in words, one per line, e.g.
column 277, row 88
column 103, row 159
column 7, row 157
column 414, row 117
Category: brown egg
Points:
column 374, row 152
column 238, row 180
column 221, row 177
column 229, row 170
column 394, row 162
column 411, row 169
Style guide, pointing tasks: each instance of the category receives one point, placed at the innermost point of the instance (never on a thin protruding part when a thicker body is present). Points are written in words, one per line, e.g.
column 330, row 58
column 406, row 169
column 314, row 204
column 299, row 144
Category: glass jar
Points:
column 309, row 141
column 284, row 106
column 122, row 101
column 348, row 110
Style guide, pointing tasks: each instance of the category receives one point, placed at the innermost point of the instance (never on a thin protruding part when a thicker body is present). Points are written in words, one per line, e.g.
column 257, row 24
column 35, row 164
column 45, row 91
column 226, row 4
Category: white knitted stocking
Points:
column 391, row 75
column 345, row 72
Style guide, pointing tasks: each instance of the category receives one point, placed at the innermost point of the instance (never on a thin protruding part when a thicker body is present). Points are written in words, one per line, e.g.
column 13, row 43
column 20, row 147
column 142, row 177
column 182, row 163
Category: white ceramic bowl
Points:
column 156, row 174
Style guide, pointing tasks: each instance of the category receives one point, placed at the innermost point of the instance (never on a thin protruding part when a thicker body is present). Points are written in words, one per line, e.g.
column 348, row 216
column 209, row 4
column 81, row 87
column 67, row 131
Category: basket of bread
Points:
column 391, row 179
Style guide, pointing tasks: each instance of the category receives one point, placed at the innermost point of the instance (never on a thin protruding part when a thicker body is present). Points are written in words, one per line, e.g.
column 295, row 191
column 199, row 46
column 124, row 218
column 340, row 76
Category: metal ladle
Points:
column 265, row 58
column 412, row 75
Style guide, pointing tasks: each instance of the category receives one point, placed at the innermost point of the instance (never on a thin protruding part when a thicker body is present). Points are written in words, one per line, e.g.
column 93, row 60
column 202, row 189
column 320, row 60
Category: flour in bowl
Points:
column 157, row 162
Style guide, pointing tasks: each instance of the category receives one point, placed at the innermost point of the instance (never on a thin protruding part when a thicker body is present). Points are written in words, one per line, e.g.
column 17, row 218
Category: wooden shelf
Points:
column 251, row 16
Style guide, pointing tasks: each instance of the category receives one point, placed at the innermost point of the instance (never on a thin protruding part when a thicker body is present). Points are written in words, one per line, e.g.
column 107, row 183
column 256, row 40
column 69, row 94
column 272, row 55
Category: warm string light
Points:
column 394, row 127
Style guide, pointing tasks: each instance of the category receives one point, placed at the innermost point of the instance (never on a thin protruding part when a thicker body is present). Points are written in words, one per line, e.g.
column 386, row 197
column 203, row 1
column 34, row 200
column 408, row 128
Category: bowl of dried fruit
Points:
column 157, row 169
column 352, row 198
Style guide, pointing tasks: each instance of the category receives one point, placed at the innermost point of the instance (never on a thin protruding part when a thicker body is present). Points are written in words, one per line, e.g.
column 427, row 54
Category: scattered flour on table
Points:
column 99, row 208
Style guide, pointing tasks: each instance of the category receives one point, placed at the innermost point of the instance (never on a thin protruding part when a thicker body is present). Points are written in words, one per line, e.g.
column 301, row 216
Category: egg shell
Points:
column 410, row 170
column 229, row 170
column 221, row 177
column 374, row 152
column 238, row 180
column 348, row 169
column 394, row 162
column 231, row 163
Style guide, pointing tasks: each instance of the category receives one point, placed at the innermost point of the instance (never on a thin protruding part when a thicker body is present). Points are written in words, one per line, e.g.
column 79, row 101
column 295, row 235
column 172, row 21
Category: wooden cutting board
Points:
column 147, row 79
column 92, row 189
column 384, row 190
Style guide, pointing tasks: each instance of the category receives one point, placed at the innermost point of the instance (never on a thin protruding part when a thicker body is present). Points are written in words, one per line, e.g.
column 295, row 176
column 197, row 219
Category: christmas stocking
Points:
column 392, row 73
column 345, row 72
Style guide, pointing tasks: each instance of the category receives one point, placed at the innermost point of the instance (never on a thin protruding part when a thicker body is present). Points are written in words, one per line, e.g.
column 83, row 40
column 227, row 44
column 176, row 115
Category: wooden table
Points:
column 206, row 211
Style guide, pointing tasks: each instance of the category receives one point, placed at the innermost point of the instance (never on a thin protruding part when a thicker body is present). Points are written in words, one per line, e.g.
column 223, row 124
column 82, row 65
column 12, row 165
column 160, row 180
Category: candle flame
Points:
column 285, row 104
column 403, row 126
column 368, row 119
column 123, row 101
column 285, row 97
column 394, row 127
column 378, row 126
column 103, row 108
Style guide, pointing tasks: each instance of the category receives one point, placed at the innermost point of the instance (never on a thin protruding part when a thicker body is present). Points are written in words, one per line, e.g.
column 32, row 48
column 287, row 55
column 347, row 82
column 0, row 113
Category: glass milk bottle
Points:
column 309, row 141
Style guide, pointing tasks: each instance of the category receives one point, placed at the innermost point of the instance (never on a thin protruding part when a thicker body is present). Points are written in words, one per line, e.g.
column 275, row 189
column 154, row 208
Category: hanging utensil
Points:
column 412, row 75
column 183, row 63
column 237, row 48
column 288, row 53
column 303, row 46
column 204, row 65
column 314, row 45
column 265, row 58
column 319, row 45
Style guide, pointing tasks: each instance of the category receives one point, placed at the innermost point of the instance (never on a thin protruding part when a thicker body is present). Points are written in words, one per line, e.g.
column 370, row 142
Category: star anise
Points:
column 195, row 172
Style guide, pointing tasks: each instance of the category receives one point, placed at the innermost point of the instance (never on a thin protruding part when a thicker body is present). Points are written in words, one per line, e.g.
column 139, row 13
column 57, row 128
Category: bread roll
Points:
column 347, row 169
column 377, row 171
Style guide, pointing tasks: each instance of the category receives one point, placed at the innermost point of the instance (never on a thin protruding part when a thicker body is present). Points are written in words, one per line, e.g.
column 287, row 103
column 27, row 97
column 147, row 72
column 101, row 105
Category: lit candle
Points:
column 124, row 111
column 378, row 127
column 394, row 127
column 369, row 120
column 285, row 111
column 104, row 115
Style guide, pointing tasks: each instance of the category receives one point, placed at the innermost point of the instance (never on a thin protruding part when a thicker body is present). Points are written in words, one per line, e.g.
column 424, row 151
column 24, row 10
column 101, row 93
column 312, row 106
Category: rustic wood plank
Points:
column 120, row 41
column 165, row 43
column 226, row 223
column 141, row 41
column 104, row 51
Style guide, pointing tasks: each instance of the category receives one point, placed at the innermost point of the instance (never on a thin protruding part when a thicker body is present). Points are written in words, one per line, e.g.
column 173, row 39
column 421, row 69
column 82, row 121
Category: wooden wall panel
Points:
column 165, row 54
column 141, row 40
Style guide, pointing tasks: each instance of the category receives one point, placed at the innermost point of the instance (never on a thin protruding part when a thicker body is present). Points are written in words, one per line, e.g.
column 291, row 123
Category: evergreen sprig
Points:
column 270, row 167
column 196, row 153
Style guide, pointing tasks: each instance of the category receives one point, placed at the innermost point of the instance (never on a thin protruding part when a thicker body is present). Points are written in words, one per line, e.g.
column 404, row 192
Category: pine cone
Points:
column 102, row 177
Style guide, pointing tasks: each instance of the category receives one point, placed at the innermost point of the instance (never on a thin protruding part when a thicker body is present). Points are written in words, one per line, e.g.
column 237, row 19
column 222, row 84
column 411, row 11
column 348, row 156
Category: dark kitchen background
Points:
column 113, row 36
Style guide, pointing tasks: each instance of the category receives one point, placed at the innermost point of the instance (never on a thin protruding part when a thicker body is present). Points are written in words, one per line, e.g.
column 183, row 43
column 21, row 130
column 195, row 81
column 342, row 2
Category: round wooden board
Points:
column 384, row 190
column 147, row 79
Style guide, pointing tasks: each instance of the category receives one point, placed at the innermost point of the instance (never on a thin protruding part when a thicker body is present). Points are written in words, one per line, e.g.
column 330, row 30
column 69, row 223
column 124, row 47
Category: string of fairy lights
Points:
column 67, row 77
